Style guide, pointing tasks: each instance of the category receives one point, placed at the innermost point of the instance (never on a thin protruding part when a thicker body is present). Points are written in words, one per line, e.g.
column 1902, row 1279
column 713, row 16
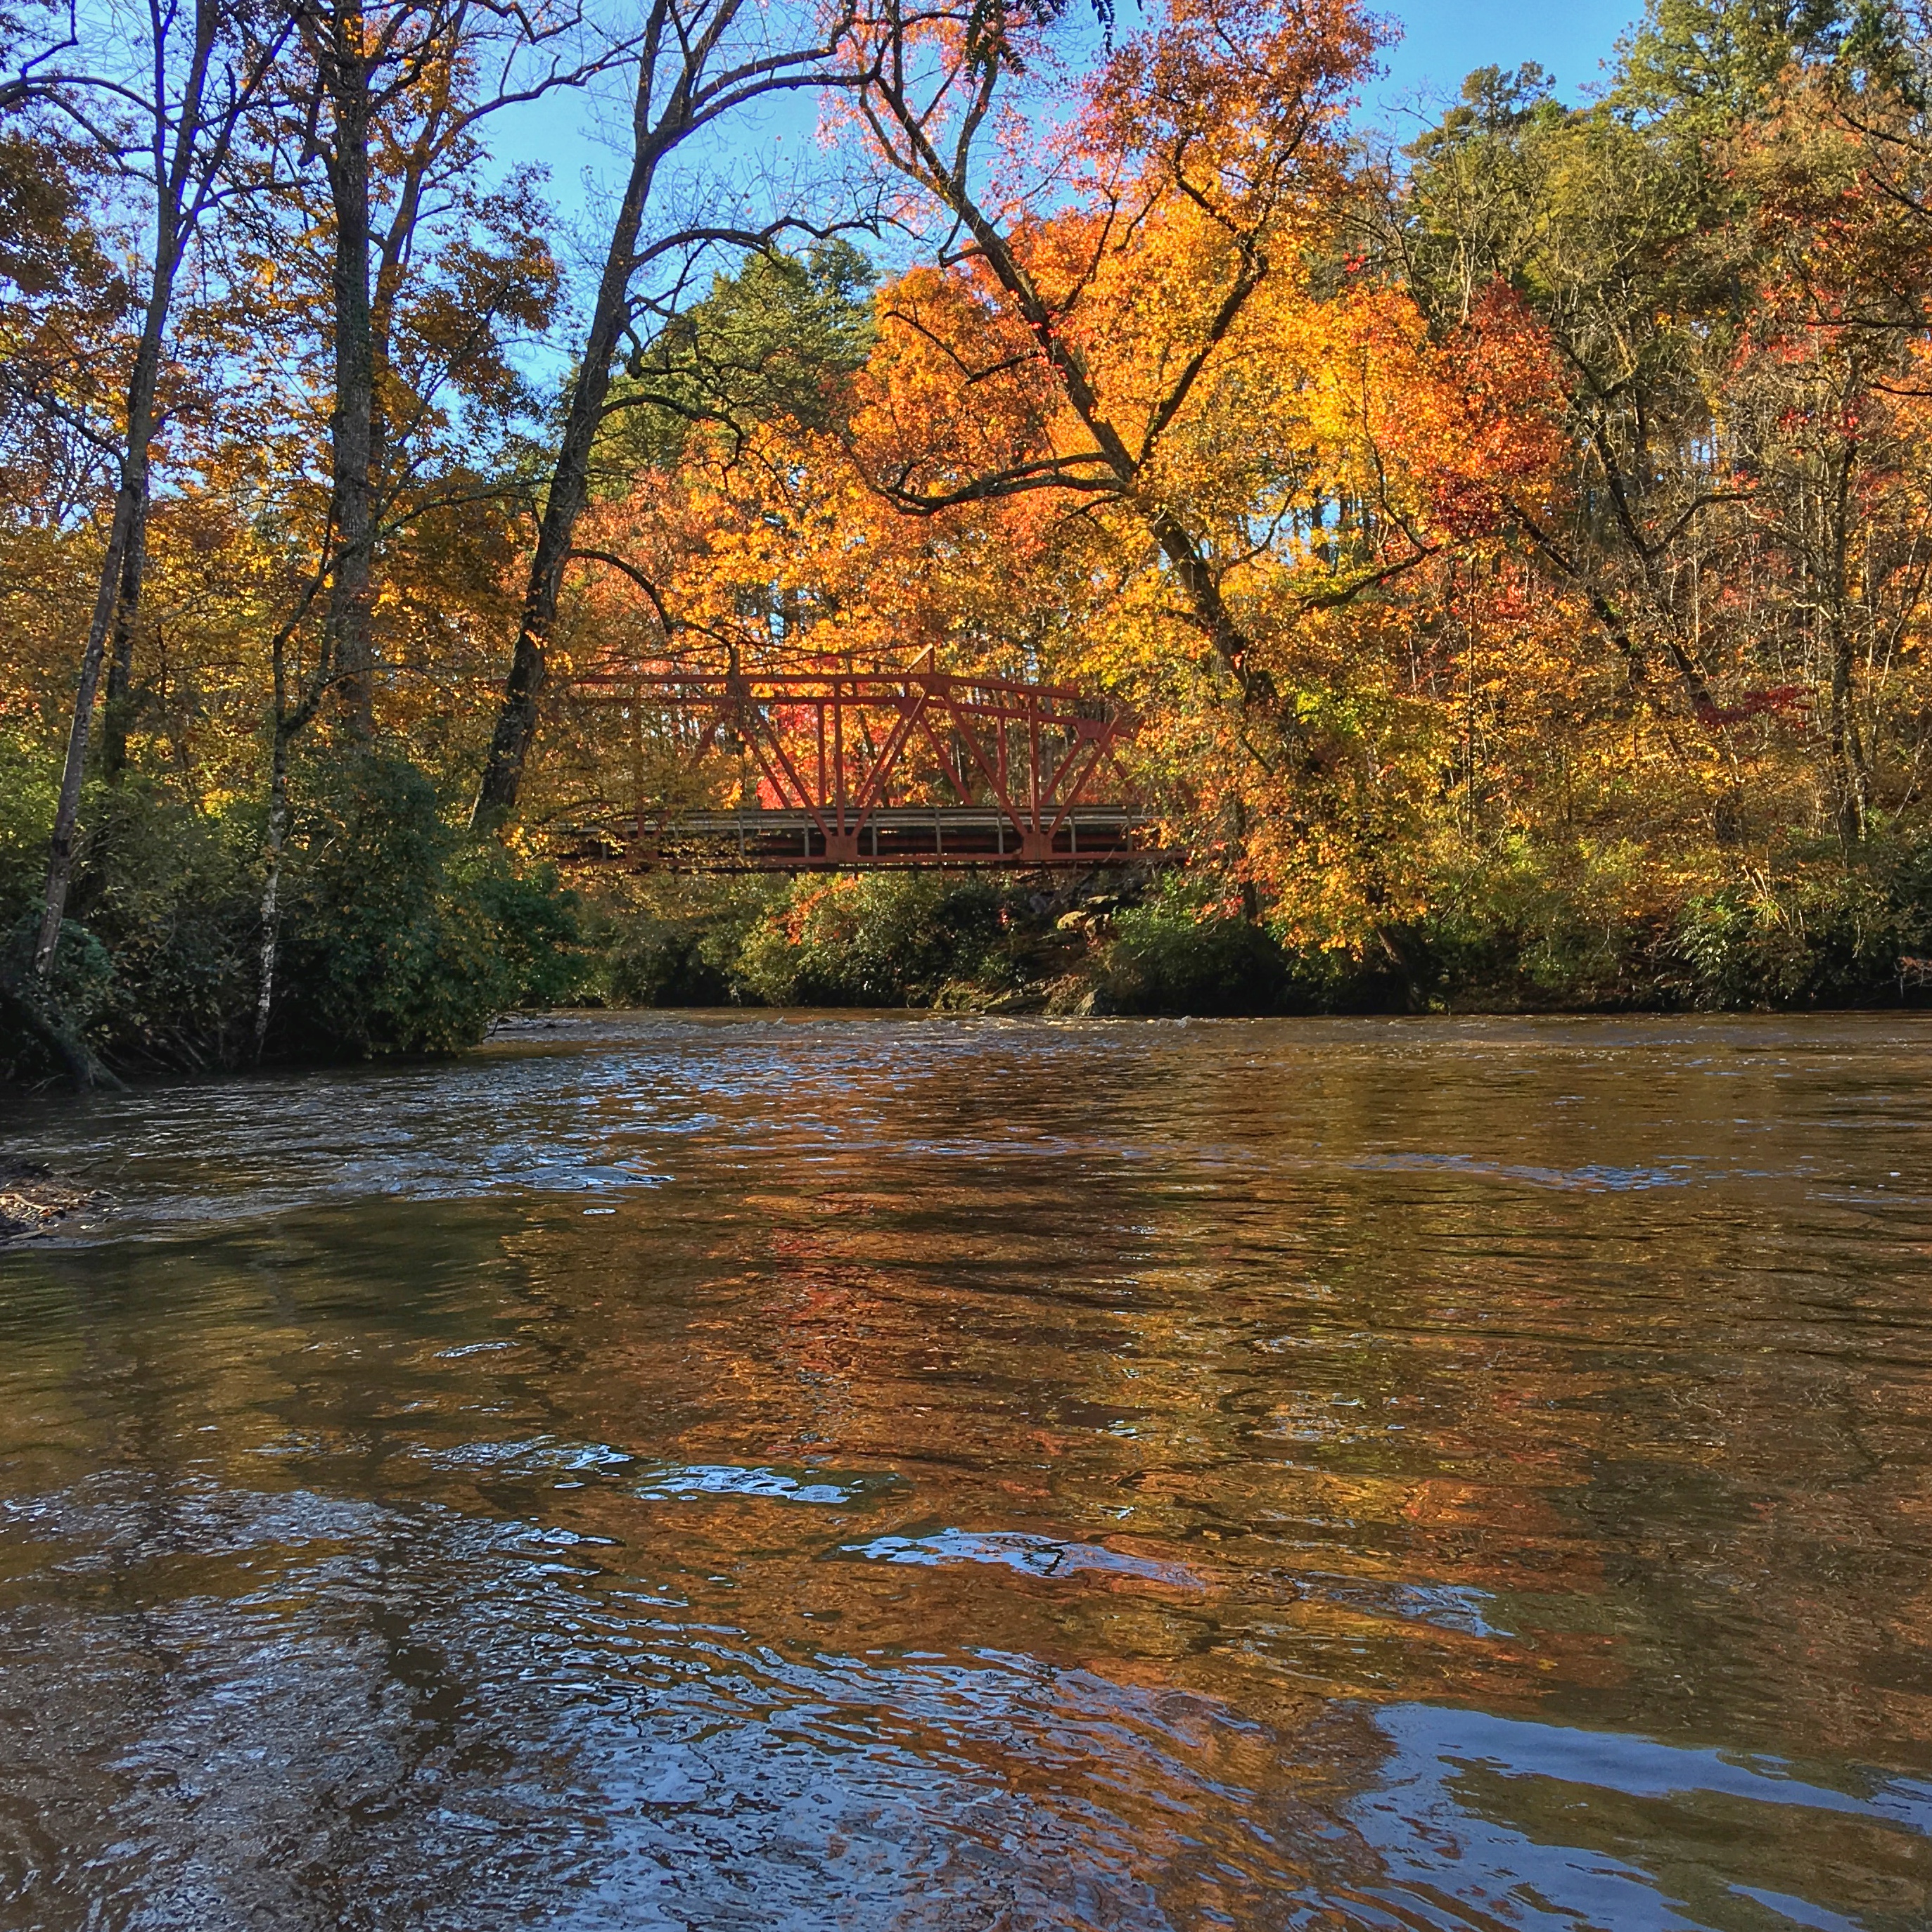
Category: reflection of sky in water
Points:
column 1029, row 1555
column 789, row 1486
column 678, row 1773
column 1437, row 1841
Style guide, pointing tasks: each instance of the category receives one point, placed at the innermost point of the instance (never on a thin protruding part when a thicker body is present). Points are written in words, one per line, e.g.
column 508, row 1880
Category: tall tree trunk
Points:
column 120, row 567
column 353, row 519
column 687, row 80
column 289, row 722
column 67, row 808
column 116, row 713
column 124, row 534
column 569, row 491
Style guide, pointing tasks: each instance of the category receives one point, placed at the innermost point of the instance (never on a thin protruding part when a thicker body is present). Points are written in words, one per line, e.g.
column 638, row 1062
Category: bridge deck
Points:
column 777, row 840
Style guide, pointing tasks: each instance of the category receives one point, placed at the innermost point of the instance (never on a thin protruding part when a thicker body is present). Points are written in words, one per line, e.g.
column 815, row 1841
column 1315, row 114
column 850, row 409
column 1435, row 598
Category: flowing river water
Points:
column 843, row 1471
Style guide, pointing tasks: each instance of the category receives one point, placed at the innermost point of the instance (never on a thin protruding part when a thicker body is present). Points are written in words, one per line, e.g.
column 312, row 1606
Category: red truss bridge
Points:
column 841, row 768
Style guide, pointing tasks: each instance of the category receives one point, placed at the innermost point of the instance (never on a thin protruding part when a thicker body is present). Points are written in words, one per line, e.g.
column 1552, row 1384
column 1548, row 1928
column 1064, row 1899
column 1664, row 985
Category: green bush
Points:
column 668, row 939
column 173, row 895
column 1528, row 926
column 155, row 960
column 1184, row 950
column 26, row 818
column 83, row 977
column 400, row 934
column 880, row 939
column 1821, row 931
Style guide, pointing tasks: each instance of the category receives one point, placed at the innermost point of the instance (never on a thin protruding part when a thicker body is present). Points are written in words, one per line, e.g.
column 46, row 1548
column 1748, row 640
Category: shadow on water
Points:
column 801, row 1472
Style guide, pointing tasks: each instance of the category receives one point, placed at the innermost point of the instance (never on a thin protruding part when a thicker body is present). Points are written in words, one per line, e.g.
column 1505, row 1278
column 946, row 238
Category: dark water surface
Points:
column 761, row 1471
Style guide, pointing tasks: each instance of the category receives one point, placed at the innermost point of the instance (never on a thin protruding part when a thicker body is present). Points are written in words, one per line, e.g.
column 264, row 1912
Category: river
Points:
column 755, row 1471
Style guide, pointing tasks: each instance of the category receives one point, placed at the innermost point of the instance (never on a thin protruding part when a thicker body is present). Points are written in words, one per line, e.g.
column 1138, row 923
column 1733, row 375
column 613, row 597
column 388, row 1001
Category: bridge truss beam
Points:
column 855, row 763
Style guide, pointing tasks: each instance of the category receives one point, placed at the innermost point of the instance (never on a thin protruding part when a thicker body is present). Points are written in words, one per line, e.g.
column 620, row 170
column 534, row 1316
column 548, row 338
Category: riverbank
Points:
column 1816, row 933
column 399, row 936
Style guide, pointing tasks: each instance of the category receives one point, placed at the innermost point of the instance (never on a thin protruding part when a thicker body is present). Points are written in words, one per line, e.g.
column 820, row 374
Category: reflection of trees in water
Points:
column 1360, row 1436
column 1167, row 1286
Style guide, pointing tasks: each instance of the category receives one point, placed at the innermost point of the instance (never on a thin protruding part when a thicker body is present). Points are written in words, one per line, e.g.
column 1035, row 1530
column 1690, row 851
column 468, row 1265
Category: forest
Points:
column 1510, row 524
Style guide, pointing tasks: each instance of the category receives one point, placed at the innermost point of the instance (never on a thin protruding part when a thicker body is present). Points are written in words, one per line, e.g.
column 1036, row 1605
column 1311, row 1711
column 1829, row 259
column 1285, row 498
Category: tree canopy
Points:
column 1512, row 531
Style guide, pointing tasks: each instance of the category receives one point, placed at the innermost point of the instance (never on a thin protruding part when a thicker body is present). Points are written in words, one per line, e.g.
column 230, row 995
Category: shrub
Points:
column 1819, row 931
column 400, row 934
column 156, row 959
column 880, row 939
column 1185, row 950
column 671, row 940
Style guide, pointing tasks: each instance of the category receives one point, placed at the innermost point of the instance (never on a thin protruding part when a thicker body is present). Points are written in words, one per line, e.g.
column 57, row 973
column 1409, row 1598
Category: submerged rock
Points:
column 33, row 1197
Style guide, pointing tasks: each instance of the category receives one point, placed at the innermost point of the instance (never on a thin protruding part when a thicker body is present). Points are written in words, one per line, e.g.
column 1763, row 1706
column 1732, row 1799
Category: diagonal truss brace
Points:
column 1034, row 751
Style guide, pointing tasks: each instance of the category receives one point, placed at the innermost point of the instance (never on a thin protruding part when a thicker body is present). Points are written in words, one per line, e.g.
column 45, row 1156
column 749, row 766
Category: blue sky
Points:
column 1441, row 40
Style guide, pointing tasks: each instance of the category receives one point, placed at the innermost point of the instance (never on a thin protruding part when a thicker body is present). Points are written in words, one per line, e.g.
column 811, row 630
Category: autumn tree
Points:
column 1827, row 406
column 1199, row 156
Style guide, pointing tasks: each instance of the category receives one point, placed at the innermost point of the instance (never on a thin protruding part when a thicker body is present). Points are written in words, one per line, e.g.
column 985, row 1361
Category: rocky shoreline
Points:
column 33, row 1198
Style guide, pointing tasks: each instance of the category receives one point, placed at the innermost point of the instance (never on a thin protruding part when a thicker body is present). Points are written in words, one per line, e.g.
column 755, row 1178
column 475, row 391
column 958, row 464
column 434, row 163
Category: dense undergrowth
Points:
column 396, row 934
column 1816, row 931
column 399, row 934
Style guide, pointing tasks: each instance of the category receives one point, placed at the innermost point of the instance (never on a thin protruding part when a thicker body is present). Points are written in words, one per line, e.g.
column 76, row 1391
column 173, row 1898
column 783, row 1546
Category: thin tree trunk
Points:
column 116, row 713
column 685, row 83
column 569, row 491
column 1851, row 779
column 352, row 428
column 278, row 819
column 288, row 724
column 129, row 501
column 126, row 532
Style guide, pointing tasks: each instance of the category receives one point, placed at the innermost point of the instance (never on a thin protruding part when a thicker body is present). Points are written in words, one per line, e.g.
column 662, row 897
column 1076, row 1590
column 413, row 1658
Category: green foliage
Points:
column 1184, row 950
column 1708, row 63
column 1823, row 933
column 1550, row 930
column 171, row 894
column 83, row 976
column 771, row 341
column 399, row 934
column 1532, row 926
column 154, row 964
column 664, row 939
column 1536, row 927
column 27, row 782
column 402, row 935
column 881, row 939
